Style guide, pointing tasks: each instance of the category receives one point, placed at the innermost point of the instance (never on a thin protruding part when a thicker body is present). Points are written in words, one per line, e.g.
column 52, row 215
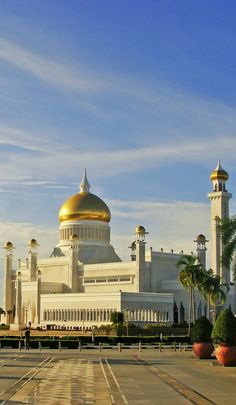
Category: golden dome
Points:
column 74, row 236
column 219, row 173
column 140, row 229
column 8, row 245
column 201, row 238
column 84, row 205
column 33, row 242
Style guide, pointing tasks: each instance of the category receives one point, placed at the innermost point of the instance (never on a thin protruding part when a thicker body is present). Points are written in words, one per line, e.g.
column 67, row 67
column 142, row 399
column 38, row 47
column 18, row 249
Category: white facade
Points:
column 84, row 280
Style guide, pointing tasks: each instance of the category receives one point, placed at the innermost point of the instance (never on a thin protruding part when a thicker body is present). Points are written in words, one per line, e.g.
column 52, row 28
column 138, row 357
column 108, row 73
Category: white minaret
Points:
column 73, row 267
column 140, row 243
column 32, row 259
column 201, row 249
column 219, row 198
column 18, row 299
column 8, row 279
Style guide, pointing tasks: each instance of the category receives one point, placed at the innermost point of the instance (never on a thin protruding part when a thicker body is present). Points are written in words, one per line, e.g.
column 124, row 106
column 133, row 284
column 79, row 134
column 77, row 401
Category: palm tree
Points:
column 213, row 291
column 228, row 233
column 190, row 277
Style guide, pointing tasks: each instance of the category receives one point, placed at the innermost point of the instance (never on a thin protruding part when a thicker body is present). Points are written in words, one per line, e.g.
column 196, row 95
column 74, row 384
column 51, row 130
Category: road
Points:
column 111, row 377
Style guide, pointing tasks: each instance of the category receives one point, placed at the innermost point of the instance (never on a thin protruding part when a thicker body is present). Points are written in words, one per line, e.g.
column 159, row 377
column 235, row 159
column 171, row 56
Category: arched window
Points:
column 220, row 187
column 199, row 310
column 182, row 313
column 175, row 313
column 215, row 187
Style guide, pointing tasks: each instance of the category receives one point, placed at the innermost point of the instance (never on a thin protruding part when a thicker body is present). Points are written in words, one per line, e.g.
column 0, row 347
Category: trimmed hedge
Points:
column 201, row 330
column 224, row 330
column 87, row 340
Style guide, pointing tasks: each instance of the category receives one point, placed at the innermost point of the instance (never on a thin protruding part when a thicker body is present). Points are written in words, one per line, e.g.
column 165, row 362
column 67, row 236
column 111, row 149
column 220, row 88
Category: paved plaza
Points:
column 110, row 377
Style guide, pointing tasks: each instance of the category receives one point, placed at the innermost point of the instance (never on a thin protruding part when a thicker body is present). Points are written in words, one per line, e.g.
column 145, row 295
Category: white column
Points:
column 18, row 299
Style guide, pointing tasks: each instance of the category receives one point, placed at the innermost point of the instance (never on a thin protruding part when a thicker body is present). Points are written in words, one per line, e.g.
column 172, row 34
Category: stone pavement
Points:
column 113, row 378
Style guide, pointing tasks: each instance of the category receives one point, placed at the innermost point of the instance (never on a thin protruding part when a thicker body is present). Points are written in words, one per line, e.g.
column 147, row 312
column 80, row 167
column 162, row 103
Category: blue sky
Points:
column 141, row 93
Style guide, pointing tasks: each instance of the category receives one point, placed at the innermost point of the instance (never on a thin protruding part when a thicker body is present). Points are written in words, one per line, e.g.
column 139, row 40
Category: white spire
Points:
column 219, row 167
column 84, row 185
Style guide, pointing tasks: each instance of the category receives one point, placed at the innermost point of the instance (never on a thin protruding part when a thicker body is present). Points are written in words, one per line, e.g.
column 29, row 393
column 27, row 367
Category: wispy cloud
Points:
column 52, row 165
column 171, row 225
column 51, row 72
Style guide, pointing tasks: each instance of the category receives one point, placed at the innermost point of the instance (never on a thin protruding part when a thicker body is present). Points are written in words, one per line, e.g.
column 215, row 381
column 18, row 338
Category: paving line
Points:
column 190, row 394
column 42, row 365
column 5, row 361
column 116, row 382
column 107, row 383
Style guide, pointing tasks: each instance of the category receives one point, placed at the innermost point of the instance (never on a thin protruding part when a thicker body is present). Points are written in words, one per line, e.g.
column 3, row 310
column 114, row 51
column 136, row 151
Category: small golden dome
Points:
column 201, row 238
column 33, row 242
column 140, row 229
column 219, row 173
column 74, row 236
column 8, row 245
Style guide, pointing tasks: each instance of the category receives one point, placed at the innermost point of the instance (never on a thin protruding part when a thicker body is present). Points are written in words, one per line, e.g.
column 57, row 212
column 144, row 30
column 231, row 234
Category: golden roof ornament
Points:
column 219, row 173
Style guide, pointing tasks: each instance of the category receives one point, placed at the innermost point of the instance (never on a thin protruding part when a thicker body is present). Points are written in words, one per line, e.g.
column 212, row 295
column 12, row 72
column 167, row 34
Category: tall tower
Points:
column 32, row 259
column 201, row 249
column 141, row 277
column 8, row 279
column 219, row 198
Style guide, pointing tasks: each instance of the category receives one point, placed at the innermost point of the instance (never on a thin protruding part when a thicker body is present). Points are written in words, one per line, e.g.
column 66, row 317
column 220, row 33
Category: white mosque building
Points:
column 84, row 280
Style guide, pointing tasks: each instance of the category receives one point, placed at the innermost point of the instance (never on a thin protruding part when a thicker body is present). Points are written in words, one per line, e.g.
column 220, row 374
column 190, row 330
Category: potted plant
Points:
column 224, row 333
column 201, row 336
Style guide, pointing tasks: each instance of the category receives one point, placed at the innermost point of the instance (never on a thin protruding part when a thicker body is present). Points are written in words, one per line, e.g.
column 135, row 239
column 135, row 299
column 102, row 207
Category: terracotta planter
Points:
column 203, row 350
column 226, row 355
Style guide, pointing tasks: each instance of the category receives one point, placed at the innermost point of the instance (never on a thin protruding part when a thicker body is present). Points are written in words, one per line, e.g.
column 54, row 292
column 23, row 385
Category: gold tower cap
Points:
column 201, row 238
column 8, row 245
column 33, row 242
column 140, row 229
column 219, row 173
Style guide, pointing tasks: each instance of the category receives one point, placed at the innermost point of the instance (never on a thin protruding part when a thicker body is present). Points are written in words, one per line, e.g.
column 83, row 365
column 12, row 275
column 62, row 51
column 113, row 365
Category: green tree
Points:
column 201, row 331
column 190, row 277
column 228, row 233
column 224, row 330
column 213, row 291
column 117, row 318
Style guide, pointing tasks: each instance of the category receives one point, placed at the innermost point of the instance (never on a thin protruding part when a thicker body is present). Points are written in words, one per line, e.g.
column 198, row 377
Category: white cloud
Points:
column 171, row 224
column 51, row 72
column 19, row 233
column 52, row 165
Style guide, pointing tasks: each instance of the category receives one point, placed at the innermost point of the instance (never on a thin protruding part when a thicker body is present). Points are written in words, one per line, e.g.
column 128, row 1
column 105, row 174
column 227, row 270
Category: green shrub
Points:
column 201, row 330
column 224, row 330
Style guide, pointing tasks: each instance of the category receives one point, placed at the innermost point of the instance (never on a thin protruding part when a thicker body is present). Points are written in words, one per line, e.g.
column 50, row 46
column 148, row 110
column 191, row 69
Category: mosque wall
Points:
column 55, row 269
column 84, row 310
